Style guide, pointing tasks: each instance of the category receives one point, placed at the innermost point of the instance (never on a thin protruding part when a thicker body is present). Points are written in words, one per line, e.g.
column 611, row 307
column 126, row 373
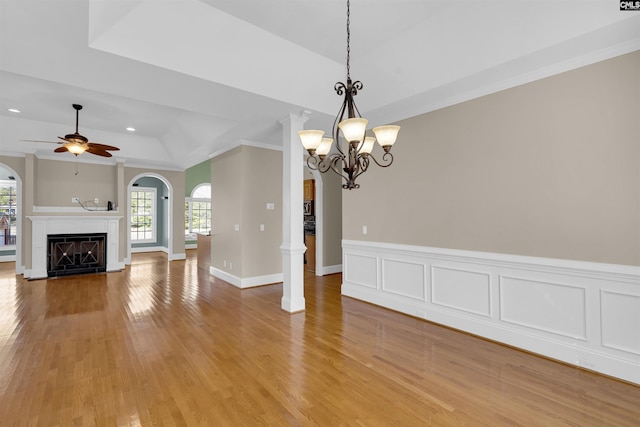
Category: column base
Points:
column 292, row 307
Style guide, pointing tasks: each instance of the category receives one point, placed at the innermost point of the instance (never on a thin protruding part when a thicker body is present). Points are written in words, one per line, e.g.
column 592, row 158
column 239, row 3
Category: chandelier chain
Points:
column 354, row 157
column 348, row 41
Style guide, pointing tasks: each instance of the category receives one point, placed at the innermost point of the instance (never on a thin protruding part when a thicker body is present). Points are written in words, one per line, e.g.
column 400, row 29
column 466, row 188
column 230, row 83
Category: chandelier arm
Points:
column 387, row 159
column 333, row 165
column 362, row 166
column 312, row 163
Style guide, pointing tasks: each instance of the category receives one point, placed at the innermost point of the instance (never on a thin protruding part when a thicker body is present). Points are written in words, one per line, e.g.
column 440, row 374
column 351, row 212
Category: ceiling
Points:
column 197, row 77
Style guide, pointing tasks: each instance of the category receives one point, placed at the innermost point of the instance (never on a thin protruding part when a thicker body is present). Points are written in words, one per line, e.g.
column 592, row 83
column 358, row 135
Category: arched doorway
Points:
column 149, row 225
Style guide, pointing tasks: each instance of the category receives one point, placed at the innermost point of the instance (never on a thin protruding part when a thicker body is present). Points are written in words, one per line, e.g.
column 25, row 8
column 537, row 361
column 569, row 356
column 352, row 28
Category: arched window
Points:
column 198, row 211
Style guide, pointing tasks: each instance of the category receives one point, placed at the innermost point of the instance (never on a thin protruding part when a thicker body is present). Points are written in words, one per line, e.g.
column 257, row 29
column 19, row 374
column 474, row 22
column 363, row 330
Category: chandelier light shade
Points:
column 324, row 147
column 354, row 129
column 353, row 159
column 311, row 139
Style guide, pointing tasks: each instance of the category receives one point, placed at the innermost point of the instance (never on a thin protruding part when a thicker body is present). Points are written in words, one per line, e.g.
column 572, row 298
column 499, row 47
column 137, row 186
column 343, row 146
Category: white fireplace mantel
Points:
column 42, row 226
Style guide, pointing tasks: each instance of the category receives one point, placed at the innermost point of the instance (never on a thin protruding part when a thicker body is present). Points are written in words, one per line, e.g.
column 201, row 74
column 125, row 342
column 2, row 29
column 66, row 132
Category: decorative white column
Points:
column 293, row 247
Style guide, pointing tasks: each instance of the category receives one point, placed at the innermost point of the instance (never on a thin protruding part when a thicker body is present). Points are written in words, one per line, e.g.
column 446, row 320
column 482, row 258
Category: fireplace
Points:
column 43, row 227
column 76, row 254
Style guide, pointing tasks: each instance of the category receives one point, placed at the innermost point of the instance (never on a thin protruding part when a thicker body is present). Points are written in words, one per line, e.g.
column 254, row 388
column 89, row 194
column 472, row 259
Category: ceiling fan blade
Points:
column 102, row 146
column 60, row 149
column 36, row 140
column 98, row 152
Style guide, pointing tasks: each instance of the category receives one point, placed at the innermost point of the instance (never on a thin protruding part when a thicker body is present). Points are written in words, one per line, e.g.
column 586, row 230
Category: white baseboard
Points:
column 143, row 249
column 581, row 313
column 191, row 246
column 329, row 269
column 7, row 258
column 170, row 256
column 246, row 282
column 118, row 266
column 177, row 257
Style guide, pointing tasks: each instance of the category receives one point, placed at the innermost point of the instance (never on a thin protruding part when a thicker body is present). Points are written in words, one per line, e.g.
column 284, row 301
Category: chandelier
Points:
column 353, row 160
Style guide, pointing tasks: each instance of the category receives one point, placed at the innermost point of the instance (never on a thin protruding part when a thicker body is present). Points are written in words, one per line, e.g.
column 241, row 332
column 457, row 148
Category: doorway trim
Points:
column 319, row 214
column 169, row 225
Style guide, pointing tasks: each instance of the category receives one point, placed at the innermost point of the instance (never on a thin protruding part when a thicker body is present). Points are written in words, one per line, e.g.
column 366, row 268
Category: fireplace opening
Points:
column 76, row 254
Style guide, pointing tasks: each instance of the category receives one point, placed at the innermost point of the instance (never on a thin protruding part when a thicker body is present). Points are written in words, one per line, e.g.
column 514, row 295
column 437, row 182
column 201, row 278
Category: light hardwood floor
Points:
column 165, row 344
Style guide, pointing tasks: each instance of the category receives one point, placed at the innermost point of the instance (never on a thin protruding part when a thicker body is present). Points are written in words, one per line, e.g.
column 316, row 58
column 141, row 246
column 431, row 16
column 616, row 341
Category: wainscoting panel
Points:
column 362, row 270
column 404, row 278
column 621, row 321
column 581, row 313
column 464, row 290
column 544, row 306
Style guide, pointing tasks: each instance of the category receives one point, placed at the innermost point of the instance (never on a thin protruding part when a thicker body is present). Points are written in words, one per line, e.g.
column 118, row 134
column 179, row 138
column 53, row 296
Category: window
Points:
column 198, row 211
column 8, row 214
column 143, row 215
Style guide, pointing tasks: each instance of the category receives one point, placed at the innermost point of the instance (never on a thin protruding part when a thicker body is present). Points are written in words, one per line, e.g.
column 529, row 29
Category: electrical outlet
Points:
column 270, row 206
column 74, row 200
column 96, row 200
column 224, row 263
column 364, row 229
column 261, row 227
column 236, row 227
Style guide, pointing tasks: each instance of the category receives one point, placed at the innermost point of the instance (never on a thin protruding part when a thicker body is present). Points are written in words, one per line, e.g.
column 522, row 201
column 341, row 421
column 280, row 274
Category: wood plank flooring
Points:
column 165, row 344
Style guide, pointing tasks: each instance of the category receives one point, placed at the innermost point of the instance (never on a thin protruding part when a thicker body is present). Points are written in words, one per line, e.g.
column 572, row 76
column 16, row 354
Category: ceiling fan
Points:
column 78, row 144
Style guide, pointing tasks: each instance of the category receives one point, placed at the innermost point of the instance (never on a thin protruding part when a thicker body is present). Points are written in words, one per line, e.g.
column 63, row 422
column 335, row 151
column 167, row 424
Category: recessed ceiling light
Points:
column 14, row 110
column 130, row 129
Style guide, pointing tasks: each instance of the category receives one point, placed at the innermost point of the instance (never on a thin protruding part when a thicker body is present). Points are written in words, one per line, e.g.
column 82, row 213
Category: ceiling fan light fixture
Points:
column 75, row 138
column 77, row 144
column 75, row 148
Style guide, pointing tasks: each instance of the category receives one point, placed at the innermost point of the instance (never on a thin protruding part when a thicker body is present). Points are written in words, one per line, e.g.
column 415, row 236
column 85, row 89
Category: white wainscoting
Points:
column 582, row 313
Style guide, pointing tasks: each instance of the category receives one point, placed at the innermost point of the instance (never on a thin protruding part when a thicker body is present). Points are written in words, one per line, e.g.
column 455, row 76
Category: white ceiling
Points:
column 195, row 77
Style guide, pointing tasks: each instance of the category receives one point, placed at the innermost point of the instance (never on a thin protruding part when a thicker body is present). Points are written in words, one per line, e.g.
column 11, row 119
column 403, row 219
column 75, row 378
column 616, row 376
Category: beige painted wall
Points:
column 15, row 163
column 261, row 254
column 549, row 169
column 58, row 183
column 227, row 175
column 243, row 181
